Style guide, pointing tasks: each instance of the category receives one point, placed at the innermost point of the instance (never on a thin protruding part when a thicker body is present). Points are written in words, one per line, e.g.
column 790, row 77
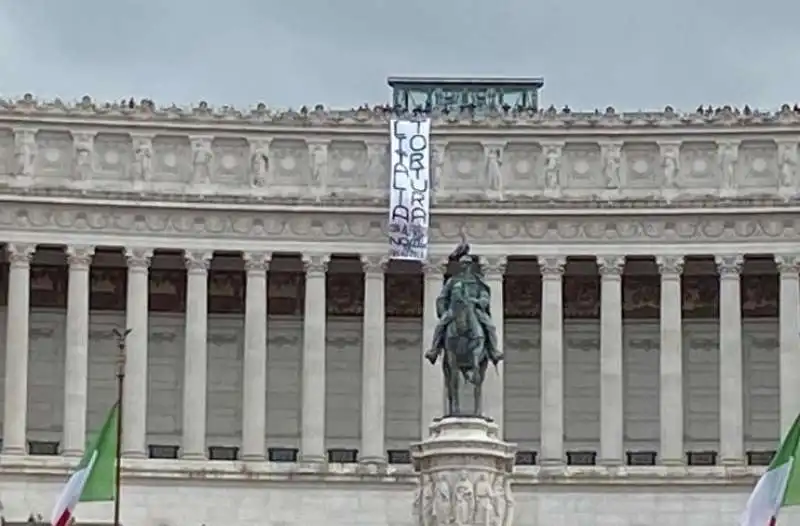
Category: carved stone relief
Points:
column 230, row 161
column 8, row 165
column 522, row 163
column 52, row 156
column 552, row 176
column 612, row 165
column 465, row 498
column 692, row 166
column 670, row 152
column 172, row 160
column 759, row 165
column 286, row 292
column 641, row 165
column 378, row 159
column 226, row 292
column 345, row 294
column 522, row 296
column 113, row 157
column 347, row 172
column 108, row 288
column 787, row 164
column 318, row 169
column 698, row 165
column 440, row 167
column 203, row 160
column 760, row 295
column 289, row 163
column 462, row 171
column 729, row 166
column 83, row 156
column 493, row 173
column 48, row 286
column 259, row 169
column 583, row 166
column 581, row 296
column 404, row 295
column 167, row 290
column 641, row 296
column 700, row 296
column 465, row 168
column 142, row 164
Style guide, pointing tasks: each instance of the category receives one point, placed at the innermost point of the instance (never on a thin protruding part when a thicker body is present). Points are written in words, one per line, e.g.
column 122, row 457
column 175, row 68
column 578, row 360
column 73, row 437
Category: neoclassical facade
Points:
column 645, row 273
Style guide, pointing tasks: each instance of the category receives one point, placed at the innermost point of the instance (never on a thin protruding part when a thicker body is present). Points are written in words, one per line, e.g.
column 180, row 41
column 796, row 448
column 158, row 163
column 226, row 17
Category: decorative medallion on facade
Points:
column 501, row 158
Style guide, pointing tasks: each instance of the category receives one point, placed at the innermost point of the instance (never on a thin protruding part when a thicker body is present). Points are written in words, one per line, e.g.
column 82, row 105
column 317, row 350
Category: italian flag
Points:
column 779, row 486
column 95, row 478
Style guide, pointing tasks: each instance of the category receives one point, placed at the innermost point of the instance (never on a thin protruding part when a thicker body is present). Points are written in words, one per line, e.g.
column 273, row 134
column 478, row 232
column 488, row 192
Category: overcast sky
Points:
column 633, row 54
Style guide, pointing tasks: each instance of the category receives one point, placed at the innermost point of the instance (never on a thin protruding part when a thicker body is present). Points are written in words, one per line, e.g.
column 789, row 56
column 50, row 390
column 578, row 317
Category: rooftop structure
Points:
column 459, row 93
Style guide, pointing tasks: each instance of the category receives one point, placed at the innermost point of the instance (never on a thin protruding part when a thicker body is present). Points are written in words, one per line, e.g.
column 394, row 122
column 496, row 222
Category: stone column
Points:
column 671, row 362
column 17, row 327
column 611, row 394
column 312, row 439
column 789, row 297
column 134, row 397
column 254, row 388
column 76, row 370
column 373, row 363
column 731, row 396
column 494, row 269
column 552, row 361
column 195, row 359
column 432, row 382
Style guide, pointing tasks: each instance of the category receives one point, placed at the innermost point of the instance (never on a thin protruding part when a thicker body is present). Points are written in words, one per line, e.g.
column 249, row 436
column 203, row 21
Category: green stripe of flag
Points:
column 101, row 459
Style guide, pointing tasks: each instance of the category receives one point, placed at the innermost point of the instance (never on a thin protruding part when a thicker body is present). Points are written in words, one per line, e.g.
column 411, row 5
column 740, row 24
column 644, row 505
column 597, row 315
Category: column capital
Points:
column 670, row 265
column 256, row 261
column 138, row 258
column 316, row 263
column 79, row 256
column 20, row 253
column 788, row 264
column 435, row 267
column 374, row 264
column 197, row 260
column 552, row 266
column 494, row 266
column 610, row 266
column 729, row 265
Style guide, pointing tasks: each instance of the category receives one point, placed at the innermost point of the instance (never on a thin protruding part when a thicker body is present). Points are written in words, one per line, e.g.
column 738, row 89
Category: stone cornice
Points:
column 266, row 472
column 332, row 230
column 380, row 206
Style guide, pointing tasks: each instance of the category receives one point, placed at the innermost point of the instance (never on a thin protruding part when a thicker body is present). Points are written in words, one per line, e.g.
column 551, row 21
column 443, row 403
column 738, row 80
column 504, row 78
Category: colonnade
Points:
column 372, row 448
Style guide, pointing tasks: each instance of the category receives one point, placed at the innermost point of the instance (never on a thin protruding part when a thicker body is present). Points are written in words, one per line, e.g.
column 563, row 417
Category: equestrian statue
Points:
column 465, row 333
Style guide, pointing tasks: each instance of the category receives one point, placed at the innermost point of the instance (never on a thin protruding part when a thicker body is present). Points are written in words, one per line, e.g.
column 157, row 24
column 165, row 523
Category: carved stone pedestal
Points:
column 464, row 475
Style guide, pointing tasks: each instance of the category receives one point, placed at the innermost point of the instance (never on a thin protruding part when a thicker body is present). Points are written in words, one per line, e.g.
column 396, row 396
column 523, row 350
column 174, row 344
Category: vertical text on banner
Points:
column 409, row 190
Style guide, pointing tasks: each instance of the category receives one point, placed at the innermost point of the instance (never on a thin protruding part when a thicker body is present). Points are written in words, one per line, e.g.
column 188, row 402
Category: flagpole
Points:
column 121, row 348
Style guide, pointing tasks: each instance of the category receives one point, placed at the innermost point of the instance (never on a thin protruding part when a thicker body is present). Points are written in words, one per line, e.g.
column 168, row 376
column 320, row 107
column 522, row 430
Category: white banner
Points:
column 409, row 190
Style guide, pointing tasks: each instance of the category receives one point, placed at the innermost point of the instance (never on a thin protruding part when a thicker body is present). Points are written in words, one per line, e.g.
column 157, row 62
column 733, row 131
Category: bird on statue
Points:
column 461, row 250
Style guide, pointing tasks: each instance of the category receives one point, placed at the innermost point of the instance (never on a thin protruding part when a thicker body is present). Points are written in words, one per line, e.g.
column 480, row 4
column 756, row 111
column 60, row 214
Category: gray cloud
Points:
column 628, row 53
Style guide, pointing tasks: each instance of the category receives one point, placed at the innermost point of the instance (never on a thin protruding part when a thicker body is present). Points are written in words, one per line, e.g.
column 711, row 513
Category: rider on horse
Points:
column 470, row 277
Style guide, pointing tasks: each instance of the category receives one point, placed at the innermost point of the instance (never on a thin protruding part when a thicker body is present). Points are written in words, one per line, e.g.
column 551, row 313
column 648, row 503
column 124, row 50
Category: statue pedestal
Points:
column 464, row 471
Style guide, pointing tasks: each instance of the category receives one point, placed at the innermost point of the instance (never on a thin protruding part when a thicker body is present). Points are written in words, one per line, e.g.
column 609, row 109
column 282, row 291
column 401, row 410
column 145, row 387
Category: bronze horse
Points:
column 462, row 342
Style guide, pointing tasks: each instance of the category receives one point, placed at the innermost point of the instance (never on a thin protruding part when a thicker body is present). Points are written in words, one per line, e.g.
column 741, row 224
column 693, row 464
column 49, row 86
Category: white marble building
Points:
column 645, row 270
